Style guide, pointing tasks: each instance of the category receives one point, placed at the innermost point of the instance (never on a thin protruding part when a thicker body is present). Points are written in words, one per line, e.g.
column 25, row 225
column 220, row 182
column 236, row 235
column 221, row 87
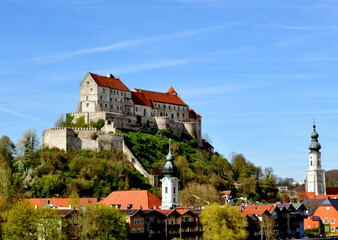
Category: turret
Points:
column 169, row 169
column 314, row 145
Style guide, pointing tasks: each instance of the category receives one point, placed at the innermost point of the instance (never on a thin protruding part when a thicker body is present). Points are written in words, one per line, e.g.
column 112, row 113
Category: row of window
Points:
column 326, row 221
column 138, row 221
column 114, row 92
column 327, row 229
column 138, row 230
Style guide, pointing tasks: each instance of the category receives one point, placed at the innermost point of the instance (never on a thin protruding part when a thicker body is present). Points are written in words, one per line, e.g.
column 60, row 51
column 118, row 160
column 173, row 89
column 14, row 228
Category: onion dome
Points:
column 169, row 169
column 314, row 145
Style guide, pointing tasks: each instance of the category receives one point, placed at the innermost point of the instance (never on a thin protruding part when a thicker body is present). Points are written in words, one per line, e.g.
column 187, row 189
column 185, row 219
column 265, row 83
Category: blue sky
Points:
column 259, row 72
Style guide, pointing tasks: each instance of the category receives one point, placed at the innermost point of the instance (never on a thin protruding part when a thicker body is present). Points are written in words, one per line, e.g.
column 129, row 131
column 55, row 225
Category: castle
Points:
column 108, row 98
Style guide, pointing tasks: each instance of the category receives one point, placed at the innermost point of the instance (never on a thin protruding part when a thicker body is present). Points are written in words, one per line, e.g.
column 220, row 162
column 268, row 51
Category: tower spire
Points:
column 169, row 169
column 314, row 145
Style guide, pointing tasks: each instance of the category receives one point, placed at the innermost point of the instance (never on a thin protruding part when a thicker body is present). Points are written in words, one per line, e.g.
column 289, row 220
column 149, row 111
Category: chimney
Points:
column 109, row 75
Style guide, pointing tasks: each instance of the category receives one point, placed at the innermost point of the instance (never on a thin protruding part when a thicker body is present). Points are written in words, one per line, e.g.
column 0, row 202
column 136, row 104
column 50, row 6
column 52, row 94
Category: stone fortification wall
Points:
column 144, row 124
column 69, row 139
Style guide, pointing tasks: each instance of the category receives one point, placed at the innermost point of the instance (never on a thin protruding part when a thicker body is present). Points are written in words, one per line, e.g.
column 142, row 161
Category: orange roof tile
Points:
column 138, row 198
column 227, row 192
column 162, row 97
column 140, row 98
column 61, row 202
column 113, row 83
column 171, row 90
column 268, row 207
column 250, row 212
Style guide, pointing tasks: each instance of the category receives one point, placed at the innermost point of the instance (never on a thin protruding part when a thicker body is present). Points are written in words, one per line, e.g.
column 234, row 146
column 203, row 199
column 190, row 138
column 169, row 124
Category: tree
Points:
column 28, row 143
column 20, row 223
column 60, row 122
column 198, row 195
column 5, row 179
column 7, row 148
column 49, row 223
column 267, row 224
column 222, row 222
column 102, row 223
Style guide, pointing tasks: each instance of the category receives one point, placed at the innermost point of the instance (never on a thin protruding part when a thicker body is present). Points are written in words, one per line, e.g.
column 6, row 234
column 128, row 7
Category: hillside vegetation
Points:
column 34, row 172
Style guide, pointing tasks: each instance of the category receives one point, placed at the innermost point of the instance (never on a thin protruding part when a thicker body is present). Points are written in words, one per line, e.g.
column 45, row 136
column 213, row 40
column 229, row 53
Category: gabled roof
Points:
column 171, row 90
column 61, row 202
column 138, row 198
column 140, row 98
column 299, row 206
column 169, row 212
column 330, row 202
column 287, row 206
column 114, row 83
column 185, row 211
column 227, row 192
column 162, row 97
column 269, row 207
column 251, row 212
column 132, row 212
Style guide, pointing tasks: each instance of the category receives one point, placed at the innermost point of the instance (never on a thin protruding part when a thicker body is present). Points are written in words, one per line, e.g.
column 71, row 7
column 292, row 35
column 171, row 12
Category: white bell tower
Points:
column 169, row 183
column 315, row 175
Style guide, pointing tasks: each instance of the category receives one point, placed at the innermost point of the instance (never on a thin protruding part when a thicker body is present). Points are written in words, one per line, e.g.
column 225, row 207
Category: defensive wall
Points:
column 186, row 129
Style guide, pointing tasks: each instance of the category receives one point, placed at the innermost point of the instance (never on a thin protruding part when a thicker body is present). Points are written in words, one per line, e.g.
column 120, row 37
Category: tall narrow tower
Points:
column 169, row 183
column 315, row 175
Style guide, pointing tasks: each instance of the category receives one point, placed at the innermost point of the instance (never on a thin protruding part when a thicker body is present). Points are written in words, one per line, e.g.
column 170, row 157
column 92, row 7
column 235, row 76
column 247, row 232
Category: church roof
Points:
column 138, row 198
column 162, row 97
column 314, row 145
column 114, row 83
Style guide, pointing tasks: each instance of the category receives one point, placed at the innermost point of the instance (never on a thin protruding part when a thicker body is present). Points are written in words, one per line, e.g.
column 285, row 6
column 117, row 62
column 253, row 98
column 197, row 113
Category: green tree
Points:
column 28, row 143
column 49, row 224
column 102, row 223
column 222, row 222
column 46, row 186
column 20, row 223
column 5, row 179
column 7, row 148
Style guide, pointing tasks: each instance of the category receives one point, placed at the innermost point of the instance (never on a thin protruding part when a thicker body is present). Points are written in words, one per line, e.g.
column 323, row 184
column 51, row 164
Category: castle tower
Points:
column 315, row 176
column 169, row 183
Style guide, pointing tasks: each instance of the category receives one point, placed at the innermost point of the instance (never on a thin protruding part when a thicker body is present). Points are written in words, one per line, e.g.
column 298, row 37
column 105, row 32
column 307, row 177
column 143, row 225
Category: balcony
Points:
column 173, row 226
column 189, row 224
column 157, row 226
column 189, row 234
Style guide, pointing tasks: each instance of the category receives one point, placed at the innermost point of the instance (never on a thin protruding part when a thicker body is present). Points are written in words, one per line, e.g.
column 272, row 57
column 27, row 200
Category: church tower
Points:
column 315, row 175
column 169, row 183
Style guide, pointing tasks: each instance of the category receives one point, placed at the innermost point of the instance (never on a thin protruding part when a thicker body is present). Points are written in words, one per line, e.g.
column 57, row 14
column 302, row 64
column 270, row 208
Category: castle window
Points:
column 172, row 115
column 117, row 92
column 111, row 99
column 183, row 114
column 311, row 163
column 111, row 91
column 174, row 107
column 101, row 105
column 174, row 200
column 87, row 98
column 121, row 108
column 100, row 97
column 174, row 189
column 125, row 94
column 136, row 109
column 166, row 190
column 87, row 105
column 87, row 82
column 161, row 114
column 144, row 112
column 177, row 115
column 169, row 106
column 164, row 105
column 115, row 100
column 114, row 92
column 117, row 107
column 166, row 114
column 91, row 89
column 103, row 90
column 318, row 163
column 105, row 105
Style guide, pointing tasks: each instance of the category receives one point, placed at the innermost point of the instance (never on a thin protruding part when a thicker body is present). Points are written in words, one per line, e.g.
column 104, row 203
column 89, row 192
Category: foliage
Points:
column 28, row 143
column 331, row 178
column 102, row 223
column 5, row 179
column 222, row 222
column 60, row 122
column 46, row 186
column 98, row 124
column 94, row 136
column 7, row 148
column 198, row 195
column 267, row 225
column 20, row 223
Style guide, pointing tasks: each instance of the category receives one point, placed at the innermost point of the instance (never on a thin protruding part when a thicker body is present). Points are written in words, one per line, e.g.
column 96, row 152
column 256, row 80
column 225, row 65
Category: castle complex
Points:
column 109, row 99
column 315, row 175
column 138, row 110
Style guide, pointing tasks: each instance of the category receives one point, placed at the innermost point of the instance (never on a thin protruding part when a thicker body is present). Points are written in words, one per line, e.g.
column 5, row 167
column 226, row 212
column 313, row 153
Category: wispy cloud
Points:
column 130, row 43
column 21, row 115
column 151, row 66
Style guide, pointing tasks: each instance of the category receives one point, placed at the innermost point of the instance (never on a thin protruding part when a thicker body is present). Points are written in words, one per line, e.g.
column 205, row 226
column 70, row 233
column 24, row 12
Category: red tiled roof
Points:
column 113, row 83
column 227, row 192
column 251, row 212
column 192, row 114
column 268, row 207
column 171, row 90
column 162, row 97
column 140, row 98
column 138, row 198
column 61, row 202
